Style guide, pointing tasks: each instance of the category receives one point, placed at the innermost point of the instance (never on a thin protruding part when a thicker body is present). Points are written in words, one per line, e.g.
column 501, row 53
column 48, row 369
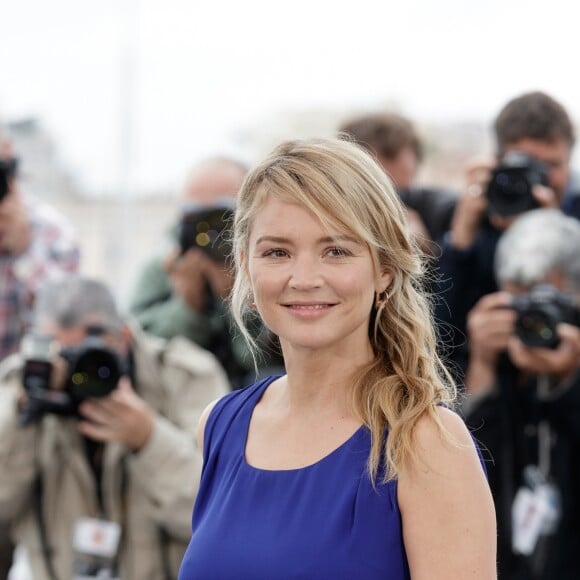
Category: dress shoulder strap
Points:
column 231, row 414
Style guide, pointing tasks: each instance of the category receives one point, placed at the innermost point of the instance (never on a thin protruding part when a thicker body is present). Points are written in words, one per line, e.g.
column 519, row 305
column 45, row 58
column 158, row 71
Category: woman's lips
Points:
column 309, row 310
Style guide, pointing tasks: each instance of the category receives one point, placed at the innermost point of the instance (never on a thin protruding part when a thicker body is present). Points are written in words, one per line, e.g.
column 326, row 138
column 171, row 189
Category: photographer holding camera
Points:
column 183, row 292
column 523, row 395
column 36, row 243
column 534, row 138
column 97, row 439
column 396, row 144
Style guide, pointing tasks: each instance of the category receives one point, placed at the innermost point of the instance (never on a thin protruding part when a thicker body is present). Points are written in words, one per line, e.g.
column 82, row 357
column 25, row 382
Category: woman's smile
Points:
column 309, row 309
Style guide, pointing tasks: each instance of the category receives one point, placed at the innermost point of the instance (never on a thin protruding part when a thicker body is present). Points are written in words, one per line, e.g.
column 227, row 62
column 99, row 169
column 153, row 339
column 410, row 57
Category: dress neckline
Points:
column 248, row 419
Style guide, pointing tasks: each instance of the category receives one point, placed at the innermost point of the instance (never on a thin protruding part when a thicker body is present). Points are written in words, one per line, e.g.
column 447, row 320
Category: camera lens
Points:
column 502, row 179
column 536, row 329
column 535, row 325
column 96, row 374
column 104, row 372
column 511, row 184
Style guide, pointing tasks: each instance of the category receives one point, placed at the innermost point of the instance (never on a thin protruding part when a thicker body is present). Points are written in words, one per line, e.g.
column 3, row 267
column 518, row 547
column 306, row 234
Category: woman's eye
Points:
column 275, row 253
column 337, row 252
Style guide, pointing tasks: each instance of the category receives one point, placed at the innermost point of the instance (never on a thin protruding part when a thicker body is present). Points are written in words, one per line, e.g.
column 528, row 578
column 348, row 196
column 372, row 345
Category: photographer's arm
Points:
column 471, row 205
column 462, row 264
column 18, row 445
column 489, row 327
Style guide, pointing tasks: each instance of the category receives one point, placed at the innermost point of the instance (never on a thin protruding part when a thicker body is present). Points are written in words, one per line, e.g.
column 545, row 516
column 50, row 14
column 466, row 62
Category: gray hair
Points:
column 71, row 301
column 537, row 243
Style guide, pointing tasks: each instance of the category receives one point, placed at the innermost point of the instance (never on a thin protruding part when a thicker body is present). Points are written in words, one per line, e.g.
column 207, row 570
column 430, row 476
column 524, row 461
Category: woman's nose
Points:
column 305, row 273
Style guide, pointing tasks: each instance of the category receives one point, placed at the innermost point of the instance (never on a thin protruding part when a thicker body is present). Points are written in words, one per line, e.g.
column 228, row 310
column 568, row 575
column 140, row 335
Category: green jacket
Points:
column 162, row 313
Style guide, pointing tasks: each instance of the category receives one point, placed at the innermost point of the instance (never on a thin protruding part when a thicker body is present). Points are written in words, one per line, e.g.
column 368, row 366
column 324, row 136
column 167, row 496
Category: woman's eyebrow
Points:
column 274, row 239
column 324, row 240
column 339, row 238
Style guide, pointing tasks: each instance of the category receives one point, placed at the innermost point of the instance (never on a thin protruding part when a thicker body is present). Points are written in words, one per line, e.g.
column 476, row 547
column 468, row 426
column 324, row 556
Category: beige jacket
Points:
column 176, row 378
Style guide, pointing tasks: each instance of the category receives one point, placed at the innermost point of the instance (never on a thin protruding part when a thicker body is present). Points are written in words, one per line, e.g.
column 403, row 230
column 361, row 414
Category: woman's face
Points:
column 313, row 286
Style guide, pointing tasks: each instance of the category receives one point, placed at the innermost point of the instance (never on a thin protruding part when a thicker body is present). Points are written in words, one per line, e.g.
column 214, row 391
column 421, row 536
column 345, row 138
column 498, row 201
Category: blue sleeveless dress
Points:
column 323, row 521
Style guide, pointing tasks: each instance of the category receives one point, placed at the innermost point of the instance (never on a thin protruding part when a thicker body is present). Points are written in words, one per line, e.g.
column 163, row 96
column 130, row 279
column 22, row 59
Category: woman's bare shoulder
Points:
column 203, row 420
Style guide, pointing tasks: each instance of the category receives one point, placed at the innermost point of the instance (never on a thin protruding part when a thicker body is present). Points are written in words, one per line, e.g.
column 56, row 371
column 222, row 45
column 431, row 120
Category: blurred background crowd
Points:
column 113, row 241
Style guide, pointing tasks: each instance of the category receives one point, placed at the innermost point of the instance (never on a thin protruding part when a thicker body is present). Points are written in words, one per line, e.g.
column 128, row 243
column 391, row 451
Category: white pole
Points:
column 129, row 28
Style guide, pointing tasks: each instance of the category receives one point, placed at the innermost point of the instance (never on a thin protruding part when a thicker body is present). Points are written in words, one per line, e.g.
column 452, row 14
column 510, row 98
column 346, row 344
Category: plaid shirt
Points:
column 53, row 251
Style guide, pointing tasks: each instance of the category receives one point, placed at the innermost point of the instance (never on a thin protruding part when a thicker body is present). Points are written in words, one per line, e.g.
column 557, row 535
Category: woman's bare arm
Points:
column 449, row 526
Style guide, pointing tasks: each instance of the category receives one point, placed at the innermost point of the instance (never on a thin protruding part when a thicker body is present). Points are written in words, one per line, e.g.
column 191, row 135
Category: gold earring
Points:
column 251, row 301
column 381, row 299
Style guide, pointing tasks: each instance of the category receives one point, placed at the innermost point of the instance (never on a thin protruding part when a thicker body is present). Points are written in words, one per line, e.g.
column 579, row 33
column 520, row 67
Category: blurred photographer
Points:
column 97, row 439
column 394, row 141
column 534, row 140
column 183, row 292
column 36, row 243
column 523, row 395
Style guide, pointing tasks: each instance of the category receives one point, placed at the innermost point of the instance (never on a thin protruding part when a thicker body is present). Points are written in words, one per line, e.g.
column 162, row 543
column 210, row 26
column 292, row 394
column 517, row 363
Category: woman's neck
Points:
column 319, row 381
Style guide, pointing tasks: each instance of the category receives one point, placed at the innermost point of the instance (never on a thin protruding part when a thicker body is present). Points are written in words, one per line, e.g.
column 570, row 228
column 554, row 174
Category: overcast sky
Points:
column 154, row 84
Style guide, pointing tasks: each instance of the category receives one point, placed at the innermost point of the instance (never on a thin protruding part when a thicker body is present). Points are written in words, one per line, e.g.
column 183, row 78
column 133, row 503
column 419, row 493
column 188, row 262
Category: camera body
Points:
column 93, row 369
column 539, row 312
column 7, row 172
column 207, row 228
column 509, row 191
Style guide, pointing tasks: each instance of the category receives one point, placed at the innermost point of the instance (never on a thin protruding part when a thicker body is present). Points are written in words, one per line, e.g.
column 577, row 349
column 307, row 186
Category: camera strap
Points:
column 544, row 432
column 537, row 510
column 46, row 549
column 47, row 552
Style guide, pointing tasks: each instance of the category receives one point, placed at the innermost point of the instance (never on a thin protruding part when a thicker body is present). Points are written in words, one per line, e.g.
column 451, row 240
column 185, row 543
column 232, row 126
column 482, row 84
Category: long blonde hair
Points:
column 343, row 186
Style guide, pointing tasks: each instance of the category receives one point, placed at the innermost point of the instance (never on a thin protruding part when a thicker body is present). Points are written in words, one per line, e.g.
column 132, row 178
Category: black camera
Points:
column 539, row 312
column 207, row 228
column 7, row 172
column 93, row 369
column 509, row 191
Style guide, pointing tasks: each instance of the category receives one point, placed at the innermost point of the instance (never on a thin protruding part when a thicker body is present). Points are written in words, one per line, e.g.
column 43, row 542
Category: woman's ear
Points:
column 384, row 281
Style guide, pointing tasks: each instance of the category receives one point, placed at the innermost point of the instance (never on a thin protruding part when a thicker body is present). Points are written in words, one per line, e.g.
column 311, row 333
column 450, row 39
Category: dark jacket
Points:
column 435, row 206
column 506, row 425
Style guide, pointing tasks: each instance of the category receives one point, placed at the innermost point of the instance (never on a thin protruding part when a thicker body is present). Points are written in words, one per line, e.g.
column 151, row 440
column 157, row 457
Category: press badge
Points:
column 535, row 512
column 96, row 543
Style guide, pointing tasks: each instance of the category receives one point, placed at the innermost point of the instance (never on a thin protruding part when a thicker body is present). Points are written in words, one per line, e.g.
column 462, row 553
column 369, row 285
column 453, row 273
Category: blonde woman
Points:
column 351, row 465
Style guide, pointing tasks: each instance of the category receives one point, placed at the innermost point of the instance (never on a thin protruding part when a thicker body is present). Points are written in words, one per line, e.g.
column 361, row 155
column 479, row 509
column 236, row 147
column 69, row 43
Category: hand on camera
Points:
column 56, row 381
column 545, row 198
column 472, row 204
column 187, row 277
column 15, row 230
column 490, row 325
column 219, row 276
column 122, row 416
column 561, row 361
column 190, row 274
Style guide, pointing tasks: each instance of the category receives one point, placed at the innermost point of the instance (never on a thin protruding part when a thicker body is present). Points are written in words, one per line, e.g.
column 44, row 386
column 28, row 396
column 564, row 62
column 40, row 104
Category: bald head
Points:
column 213, row 180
